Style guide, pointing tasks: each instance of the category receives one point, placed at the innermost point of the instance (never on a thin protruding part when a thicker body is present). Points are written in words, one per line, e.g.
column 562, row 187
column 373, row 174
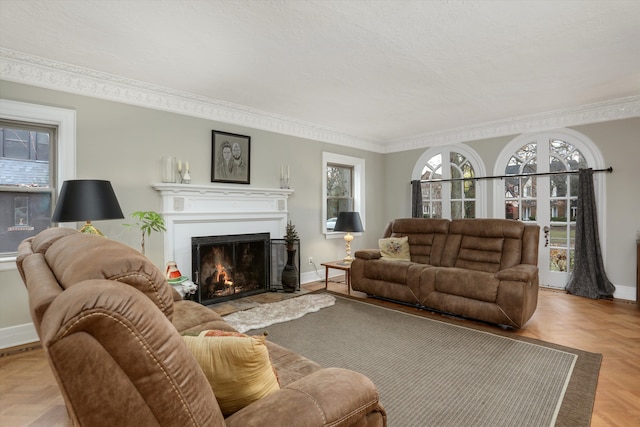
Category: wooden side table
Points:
column 338, row 265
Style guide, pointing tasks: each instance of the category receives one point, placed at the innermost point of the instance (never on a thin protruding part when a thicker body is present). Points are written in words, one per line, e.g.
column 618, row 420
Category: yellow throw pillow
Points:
column 395, row 249
column 237, row 367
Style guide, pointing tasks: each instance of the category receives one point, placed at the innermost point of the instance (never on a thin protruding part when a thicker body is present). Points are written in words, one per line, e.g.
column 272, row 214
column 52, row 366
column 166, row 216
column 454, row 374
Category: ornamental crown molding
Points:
column 617, row 109
column 37, row 71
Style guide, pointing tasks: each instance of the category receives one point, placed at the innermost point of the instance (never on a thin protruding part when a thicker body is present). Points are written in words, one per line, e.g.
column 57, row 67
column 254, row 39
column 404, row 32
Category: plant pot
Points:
column 290, row 273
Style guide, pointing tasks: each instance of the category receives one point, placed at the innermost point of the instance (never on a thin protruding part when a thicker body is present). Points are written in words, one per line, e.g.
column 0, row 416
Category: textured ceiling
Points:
column 378, row 70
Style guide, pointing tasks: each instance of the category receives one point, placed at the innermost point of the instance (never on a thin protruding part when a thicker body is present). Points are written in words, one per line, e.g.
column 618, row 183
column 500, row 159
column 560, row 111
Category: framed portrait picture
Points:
column 230, row 157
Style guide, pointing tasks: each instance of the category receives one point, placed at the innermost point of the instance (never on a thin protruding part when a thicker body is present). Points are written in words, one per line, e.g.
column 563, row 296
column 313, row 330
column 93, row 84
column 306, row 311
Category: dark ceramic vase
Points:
column 290, row 273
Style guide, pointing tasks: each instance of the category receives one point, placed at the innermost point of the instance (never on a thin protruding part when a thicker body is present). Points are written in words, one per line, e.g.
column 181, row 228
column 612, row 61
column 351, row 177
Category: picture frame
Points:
column 230, row 157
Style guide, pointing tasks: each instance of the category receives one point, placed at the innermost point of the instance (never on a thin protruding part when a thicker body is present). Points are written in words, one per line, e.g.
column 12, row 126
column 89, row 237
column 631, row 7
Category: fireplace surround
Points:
column 191, row 210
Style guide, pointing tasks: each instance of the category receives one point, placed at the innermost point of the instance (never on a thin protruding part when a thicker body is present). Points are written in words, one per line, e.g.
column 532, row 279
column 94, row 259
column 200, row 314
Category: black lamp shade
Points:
column 86, row 200
column 349, row 222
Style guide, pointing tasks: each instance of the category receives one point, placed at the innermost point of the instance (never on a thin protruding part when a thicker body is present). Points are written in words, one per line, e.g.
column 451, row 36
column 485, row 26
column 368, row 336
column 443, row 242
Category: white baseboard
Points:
column 625, row 292
column 18, row 335
column 312, row 276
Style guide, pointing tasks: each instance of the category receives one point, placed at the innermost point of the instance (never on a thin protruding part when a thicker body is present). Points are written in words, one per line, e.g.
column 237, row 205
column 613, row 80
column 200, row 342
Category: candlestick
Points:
column 187, row 166
column 168, row 169
column 179, row 165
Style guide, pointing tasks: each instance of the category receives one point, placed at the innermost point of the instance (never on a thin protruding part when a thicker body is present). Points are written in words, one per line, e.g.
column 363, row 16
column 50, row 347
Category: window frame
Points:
column 65, row 162
column 358, row 180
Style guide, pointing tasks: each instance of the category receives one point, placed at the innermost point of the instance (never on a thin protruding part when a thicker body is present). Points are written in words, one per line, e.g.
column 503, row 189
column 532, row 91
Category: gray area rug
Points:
column 277, row 312
column 433, row 373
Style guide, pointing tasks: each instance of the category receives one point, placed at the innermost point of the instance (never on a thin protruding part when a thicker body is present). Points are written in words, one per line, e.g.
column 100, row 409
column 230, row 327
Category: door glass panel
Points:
column 558, row 260
column 572, row 235
column 573, row 185
column 558, row 185
column 511, row 210
column 558, row 235
column 528, row 210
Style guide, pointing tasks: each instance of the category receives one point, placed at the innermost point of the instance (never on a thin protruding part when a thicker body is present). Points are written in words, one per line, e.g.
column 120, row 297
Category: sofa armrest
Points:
column 519, row 273
column 329, row 397
column 368, row 254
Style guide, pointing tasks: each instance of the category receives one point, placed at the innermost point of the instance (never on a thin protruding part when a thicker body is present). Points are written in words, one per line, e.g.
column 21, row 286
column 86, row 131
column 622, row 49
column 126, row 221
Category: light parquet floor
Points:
column 29, row 395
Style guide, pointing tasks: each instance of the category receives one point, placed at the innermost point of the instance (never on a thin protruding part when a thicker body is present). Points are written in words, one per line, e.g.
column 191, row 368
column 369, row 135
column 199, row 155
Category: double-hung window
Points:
column 37, row 152
column 27, row 181
column 343, row 188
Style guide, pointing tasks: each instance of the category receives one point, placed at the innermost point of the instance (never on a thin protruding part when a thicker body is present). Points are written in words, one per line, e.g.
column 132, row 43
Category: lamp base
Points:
column 347, row 239
column 90, row 229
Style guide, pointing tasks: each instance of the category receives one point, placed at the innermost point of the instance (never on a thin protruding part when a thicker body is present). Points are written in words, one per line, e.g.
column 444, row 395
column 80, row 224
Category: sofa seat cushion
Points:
column 236, row 365
column 389, row 271
column 471, row 308
column 477, row 285
column 289, row 366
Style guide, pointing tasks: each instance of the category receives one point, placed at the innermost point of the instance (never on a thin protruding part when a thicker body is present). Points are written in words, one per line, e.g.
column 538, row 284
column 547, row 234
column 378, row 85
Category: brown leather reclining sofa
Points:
column 485, row 269
column 111, row 328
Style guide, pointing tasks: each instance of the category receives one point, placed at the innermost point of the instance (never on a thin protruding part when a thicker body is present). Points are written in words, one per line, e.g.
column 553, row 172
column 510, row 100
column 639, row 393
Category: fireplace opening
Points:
column 231, row 266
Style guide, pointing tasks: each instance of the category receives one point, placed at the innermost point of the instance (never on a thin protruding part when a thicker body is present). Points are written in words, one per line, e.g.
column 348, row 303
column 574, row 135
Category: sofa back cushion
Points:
column 78, row 257
column 426, row 237
column 488, row 245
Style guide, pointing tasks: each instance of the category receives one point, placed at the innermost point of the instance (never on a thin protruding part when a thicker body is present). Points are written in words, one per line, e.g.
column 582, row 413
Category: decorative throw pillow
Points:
column 395, row 249
column 237, row 367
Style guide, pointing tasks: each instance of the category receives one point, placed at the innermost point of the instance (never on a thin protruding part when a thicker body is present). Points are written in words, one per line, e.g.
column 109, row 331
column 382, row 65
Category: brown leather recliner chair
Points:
column 110, row 325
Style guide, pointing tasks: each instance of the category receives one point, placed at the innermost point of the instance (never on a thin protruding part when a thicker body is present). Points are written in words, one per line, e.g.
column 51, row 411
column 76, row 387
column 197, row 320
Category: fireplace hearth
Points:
column 230, row 266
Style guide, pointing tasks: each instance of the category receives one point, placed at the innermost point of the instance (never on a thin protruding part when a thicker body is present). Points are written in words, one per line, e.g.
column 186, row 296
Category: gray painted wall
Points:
column 124, row 144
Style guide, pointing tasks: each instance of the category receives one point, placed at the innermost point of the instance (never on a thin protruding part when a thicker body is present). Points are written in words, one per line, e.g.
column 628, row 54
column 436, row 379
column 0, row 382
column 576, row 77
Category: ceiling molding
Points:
column 36, row 71
column 617, row 109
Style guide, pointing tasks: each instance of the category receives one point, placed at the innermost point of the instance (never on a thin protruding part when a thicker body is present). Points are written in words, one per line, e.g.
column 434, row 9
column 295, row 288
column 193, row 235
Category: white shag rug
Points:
column 278, row 312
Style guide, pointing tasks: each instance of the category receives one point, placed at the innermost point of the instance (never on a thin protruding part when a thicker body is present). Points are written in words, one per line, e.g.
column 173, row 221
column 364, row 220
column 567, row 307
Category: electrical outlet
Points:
column 310, row 260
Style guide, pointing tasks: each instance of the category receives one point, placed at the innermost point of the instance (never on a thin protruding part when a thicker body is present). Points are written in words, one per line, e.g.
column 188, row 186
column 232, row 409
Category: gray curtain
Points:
column 588, row 278
column 416, row 199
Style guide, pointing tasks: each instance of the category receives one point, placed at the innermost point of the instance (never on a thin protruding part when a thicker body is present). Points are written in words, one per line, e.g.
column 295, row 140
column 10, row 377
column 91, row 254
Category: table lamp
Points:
column 349, row 222
column 86, row 200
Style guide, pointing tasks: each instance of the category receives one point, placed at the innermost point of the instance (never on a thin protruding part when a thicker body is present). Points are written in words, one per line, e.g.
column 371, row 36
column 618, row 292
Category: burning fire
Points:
column 222, row 275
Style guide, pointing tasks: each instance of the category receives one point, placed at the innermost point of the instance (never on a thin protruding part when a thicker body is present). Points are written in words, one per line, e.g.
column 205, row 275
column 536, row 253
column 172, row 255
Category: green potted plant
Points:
column 290, row 271
column 147, row 221
column 291, row 235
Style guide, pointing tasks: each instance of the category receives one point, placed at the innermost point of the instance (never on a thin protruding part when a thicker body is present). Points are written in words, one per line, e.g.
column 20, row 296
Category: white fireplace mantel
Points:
column 215, row 210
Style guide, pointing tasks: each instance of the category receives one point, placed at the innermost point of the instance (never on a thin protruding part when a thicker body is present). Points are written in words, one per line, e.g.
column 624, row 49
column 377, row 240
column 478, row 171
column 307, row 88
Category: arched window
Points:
column 451, row 199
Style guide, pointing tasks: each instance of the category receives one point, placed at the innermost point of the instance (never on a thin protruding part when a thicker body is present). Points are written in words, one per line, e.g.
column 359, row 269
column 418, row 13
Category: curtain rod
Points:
column 477, row 178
